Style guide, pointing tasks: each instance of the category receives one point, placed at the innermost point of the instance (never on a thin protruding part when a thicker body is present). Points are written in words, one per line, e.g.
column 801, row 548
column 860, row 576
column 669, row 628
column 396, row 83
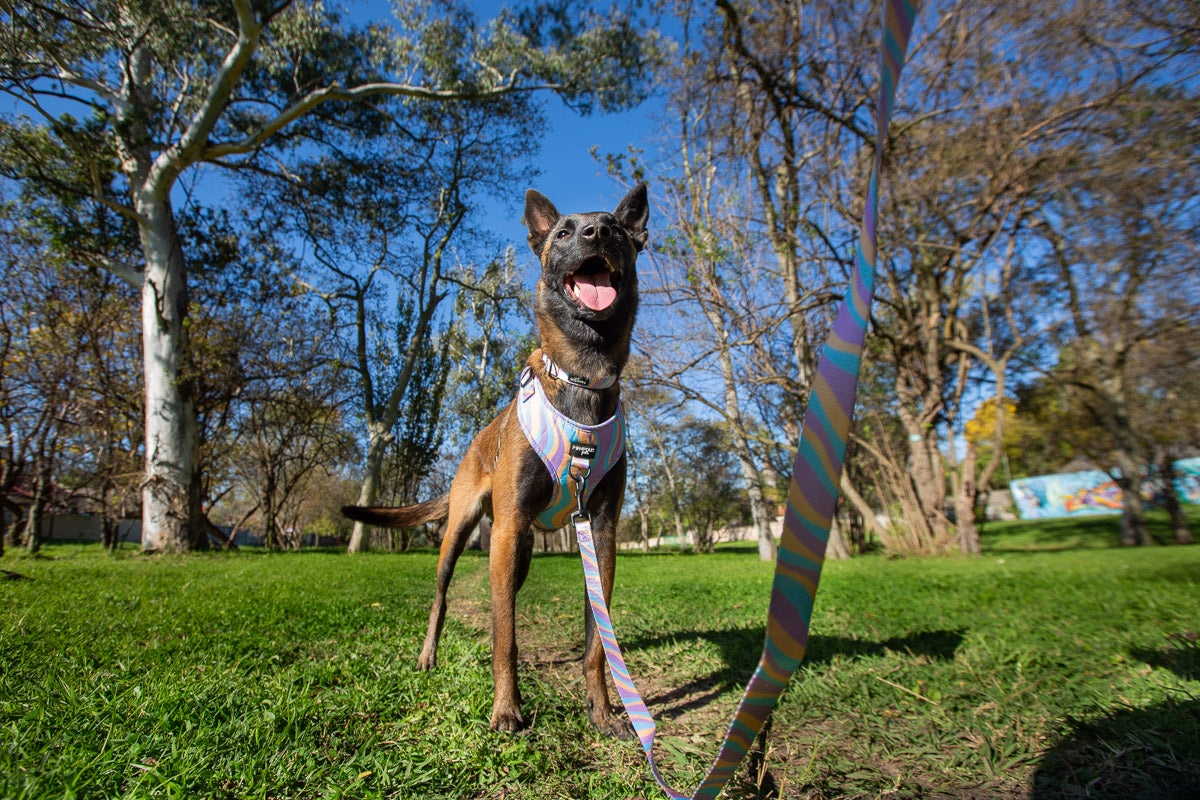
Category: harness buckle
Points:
column 580, row 491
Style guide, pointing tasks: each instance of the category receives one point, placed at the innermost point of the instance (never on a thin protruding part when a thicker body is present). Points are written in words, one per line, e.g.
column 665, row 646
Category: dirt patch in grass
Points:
column 552, row 648
column 822, row 759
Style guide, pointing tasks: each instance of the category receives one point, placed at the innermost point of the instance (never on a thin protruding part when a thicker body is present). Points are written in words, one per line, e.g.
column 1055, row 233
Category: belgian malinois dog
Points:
column 585, row 303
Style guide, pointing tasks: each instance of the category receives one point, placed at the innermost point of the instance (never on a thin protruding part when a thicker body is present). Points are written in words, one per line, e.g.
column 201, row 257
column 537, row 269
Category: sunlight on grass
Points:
column 259, row 675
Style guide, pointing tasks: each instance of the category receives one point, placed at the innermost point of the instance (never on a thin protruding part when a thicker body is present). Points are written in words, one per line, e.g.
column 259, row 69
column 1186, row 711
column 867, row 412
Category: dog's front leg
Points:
column 506, row 576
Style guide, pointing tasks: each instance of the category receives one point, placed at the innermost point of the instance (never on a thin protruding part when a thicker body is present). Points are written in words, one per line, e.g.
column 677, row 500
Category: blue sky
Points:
column 570, row 176
column 572, row 179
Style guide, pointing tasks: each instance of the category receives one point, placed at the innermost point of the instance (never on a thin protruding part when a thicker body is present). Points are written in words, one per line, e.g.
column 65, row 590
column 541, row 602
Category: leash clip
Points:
column 581, row 518
column 580, row 490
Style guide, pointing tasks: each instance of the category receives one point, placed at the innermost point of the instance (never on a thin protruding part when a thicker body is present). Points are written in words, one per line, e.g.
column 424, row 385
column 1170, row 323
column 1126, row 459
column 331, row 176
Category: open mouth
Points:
column 593, row 284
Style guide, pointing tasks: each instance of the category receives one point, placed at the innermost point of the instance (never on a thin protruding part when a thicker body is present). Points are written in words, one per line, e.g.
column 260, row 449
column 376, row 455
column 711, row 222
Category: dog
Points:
column 585, row 303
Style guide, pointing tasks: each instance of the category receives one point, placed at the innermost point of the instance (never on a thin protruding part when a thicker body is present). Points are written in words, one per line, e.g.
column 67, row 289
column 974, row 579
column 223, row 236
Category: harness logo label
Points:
column 577, row 380
column 581, row 450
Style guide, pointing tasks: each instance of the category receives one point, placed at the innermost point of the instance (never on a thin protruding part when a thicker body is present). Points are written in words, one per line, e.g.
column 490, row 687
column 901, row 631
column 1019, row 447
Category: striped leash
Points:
column 812, row 497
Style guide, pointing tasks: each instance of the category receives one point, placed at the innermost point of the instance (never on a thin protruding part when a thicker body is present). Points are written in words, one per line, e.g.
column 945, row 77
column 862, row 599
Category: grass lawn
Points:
column 1053, row 666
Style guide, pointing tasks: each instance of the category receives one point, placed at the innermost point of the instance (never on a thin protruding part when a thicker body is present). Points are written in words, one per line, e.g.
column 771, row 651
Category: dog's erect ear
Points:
column 540, row 217
column 632, row 212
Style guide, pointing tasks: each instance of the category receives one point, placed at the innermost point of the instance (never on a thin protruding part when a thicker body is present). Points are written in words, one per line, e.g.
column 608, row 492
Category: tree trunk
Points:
column 751, row 471
column 15, row 526
column 171, row 491
column 270, row 528
column 925, row 471
column 675, row 513
column 1179, row 521
column 635, row 487
column 1133, row 515
column 108, row 532
column 837, row 548
column 108, row 520
column 964, row 506
column 767, row 548
column 861, row 506
column 381, row 437
column 33, row 522
column 10, row 518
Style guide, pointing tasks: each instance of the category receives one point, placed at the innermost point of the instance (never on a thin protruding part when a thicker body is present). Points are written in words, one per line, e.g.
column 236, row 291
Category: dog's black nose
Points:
column 600, row 230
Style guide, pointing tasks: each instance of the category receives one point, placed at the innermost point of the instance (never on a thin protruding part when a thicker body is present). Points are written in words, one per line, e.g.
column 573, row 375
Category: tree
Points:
column 384, row 234
column 419, row 435
column 1001, row 106
column 167, row 87
column 693, row 482
column 288, row 435
column 101, row 463
column 713, row 494
column 489, row 344
column 739, row 251
column 1121, row 238
column 1165, row 374
column 99, row 429
column 650, row 413
column 52, row 320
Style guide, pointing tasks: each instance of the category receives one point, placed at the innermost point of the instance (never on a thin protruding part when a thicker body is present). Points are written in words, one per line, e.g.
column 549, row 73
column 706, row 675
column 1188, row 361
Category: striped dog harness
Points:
column 573, row 453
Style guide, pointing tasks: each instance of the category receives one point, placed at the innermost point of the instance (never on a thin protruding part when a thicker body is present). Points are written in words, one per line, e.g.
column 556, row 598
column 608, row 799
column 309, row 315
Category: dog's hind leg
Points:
column 466, row 507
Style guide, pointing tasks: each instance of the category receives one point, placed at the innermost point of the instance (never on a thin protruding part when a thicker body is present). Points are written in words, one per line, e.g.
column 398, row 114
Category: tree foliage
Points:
column 1013, row 122
column 160, row 89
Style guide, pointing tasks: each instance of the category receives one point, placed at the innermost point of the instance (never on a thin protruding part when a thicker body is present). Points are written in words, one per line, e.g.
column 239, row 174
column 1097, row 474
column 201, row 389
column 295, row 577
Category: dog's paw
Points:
column 507, row 719
column 614, row 726
column 426, row 661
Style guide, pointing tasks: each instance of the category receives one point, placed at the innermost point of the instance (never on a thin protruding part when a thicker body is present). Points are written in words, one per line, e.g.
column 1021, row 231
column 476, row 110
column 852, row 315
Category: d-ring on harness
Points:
column 812, row 499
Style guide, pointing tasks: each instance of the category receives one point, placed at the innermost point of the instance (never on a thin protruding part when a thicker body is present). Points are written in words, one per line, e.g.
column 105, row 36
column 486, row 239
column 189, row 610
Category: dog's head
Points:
column 589, row 261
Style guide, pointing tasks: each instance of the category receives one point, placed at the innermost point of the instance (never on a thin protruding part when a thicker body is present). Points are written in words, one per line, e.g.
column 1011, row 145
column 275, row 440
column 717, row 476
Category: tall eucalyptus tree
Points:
column 166, row 87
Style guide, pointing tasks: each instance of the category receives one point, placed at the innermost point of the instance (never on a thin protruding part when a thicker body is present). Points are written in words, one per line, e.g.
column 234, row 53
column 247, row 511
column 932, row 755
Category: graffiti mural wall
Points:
column 1094, row 492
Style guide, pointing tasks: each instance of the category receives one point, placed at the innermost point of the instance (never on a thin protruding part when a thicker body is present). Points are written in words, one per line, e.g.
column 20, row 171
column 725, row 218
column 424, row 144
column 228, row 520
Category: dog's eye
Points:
column 561, row 234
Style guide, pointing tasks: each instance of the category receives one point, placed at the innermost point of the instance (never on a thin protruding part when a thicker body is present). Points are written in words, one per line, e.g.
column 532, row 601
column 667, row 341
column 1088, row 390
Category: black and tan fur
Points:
column 500, row 475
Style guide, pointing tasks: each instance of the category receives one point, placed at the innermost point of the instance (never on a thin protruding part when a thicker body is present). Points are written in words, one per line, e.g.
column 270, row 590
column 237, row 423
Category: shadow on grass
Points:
column 1181, row 656
column 741, row 648
column 1132, row 754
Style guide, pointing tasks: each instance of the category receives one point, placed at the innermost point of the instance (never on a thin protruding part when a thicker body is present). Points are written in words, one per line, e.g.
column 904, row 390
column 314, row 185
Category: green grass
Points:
column 1067, row 533
column 1024, row 673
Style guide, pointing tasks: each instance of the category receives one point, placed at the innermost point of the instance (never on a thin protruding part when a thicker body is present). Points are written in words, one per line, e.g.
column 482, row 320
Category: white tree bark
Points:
column 169, row 489
column 380, row 437
column 752, row 472
column 152, row 162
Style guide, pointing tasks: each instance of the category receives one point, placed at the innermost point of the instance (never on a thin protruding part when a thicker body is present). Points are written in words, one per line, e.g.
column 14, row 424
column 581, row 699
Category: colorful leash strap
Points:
column 812, row 498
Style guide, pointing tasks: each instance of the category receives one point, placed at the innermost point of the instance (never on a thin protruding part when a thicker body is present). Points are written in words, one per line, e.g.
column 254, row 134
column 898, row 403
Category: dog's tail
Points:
column 400, row 516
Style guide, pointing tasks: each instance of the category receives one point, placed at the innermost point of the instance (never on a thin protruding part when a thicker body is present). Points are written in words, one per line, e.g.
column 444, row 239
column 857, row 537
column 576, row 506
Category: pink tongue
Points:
column 594, row 290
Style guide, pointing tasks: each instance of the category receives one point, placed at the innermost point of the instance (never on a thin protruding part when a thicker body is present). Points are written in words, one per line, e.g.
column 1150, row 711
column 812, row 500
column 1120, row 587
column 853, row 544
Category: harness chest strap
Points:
column 575, row 454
